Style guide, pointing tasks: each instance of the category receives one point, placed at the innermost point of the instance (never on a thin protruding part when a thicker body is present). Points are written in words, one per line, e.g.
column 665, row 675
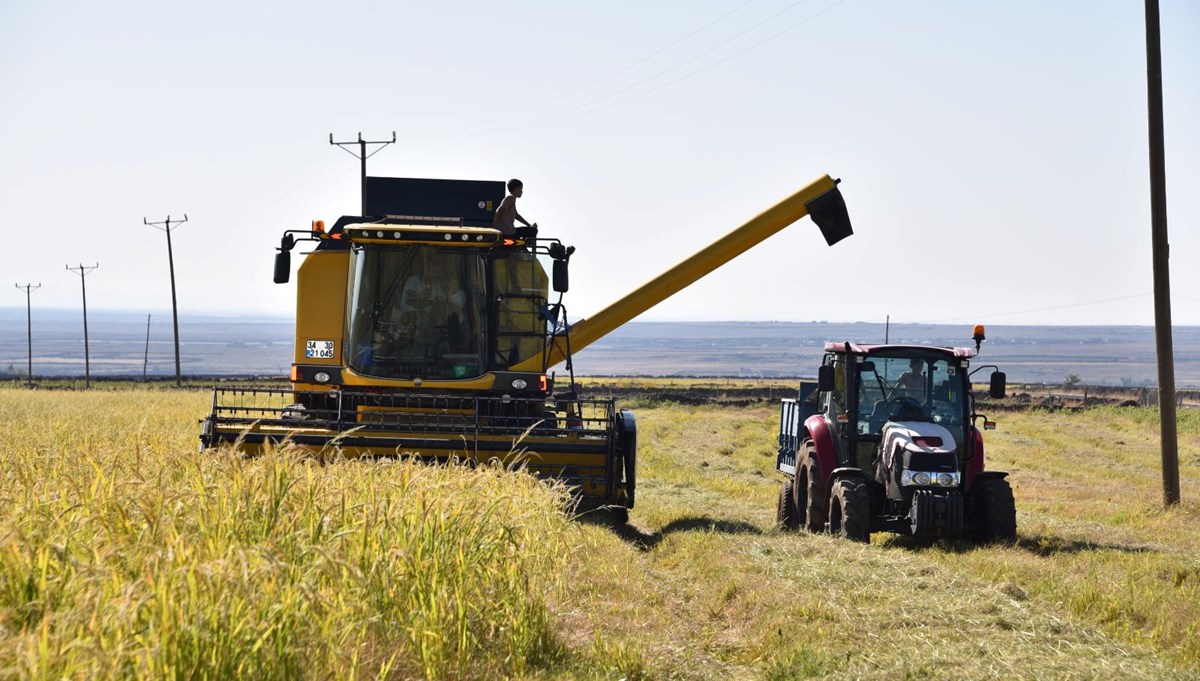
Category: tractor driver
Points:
column 912, row 382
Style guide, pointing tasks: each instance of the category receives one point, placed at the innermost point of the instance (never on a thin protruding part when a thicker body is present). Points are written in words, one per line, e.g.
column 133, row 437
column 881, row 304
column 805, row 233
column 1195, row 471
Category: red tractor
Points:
column 886, row 440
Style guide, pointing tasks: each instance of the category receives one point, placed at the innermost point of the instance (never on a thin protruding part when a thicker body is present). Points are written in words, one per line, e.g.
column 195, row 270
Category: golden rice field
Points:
column 124, row 553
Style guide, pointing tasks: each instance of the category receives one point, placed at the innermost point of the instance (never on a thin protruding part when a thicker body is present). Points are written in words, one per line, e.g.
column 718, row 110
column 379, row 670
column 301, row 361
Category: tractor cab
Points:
column 883, row 385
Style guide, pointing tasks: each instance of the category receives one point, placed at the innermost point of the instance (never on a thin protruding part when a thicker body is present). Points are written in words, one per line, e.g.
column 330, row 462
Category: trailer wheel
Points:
column 850, row 509
column 994, row 512
column 810, row 498
column 785, row 510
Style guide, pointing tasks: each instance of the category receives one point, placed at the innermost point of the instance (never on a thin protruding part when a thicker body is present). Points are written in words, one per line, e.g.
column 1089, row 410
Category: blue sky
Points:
column 994, row 155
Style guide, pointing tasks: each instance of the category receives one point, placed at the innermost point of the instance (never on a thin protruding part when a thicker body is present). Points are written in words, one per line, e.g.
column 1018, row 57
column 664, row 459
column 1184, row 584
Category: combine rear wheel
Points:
column 850, row 510
column 810, row 495
column 994, row 516
column 619, row 514
column 785, row 511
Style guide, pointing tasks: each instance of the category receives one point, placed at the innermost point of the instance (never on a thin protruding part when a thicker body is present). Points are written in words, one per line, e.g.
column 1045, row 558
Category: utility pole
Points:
column 165, row 226
column 29, row 288
column 1164, row 347
column 82, row 271
column 146, row 358
column 362, row 156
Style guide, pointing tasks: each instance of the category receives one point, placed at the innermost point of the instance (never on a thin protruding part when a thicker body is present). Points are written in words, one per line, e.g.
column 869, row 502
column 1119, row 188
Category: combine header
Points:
column 421, row 331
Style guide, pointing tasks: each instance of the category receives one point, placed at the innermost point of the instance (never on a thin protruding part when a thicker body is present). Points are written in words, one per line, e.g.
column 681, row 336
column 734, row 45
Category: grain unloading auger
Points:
column 423, row 335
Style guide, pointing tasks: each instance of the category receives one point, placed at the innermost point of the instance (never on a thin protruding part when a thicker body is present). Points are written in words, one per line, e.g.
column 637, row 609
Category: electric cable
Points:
column 573, row 112
column 602, row 79
column 1040, row 309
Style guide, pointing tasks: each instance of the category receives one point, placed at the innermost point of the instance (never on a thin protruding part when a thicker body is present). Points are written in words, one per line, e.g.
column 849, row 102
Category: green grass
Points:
column 125, row 554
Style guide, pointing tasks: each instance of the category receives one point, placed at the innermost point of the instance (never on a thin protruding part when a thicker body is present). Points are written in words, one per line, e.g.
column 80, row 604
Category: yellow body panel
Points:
column 321, row 304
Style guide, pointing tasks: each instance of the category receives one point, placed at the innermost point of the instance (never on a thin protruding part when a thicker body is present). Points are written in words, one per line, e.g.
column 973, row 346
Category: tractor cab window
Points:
column 417, row 312
column 909, row 389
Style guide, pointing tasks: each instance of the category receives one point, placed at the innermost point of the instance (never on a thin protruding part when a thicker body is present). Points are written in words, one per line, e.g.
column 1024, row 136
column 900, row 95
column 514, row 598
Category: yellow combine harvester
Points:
column 424, row 332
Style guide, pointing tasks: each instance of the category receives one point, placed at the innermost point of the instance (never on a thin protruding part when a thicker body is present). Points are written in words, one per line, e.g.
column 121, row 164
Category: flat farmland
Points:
column 126, row 554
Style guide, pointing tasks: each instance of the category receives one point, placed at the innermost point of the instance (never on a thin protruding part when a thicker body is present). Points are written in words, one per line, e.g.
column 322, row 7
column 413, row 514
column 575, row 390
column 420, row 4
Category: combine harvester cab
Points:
column 887, row 440
column 424, row 332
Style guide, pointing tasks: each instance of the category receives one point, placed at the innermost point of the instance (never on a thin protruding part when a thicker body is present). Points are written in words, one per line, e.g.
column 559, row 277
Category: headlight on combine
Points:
column 925, row 479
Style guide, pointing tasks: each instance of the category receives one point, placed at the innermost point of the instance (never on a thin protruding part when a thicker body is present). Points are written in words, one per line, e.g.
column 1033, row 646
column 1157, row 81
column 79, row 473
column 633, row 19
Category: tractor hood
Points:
column 920, row 437
column 911, row 446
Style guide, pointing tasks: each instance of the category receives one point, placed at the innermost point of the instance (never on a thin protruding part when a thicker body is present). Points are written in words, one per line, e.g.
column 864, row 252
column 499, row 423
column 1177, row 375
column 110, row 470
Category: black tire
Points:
column 994, row 512
column 619, row 515
column 785, row 510
column 850, row 509
column 810, row 498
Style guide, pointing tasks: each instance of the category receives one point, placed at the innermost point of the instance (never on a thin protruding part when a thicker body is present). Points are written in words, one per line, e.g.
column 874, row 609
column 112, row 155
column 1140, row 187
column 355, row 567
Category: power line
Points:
column 1040, row 309
column 29, row 289
column 83, row 270
column 713, row 64
column 165, row 226
column 610, row 76
column 574, row 112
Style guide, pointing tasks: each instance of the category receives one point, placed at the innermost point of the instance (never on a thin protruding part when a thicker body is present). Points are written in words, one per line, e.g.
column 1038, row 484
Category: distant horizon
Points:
column 290, row 316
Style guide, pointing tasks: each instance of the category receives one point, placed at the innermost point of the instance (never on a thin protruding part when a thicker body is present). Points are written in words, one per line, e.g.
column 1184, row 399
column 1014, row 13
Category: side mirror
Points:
column 868, row 366
column 826, row 380
column 283, row 267
column 998, row 385
column 561, row 281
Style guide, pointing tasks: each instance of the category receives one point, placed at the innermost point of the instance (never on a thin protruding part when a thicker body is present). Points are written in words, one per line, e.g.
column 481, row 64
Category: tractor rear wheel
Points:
column 850, row 509
column 994, row 516
column 785, row 511
column 810, row 495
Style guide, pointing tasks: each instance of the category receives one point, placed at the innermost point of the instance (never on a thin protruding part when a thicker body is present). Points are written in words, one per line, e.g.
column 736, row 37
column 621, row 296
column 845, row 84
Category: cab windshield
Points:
column 417, row 312
column 924, row 388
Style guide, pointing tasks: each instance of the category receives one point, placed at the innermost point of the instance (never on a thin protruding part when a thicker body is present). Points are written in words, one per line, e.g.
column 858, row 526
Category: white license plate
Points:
column 318, row 349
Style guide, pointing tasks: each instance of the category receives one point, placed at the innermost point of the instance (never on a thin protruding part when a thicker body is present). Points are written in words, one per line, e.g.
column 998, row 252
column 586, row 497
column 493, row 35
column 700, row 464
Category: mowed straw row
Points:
column 124, row 553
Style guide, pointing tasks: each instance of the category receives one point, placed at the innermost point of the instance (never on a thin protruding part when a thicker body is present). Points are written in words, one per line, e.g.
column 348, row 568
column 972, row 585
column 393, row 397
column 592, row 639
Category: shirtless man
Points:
column 506, row 212
column 912, row 382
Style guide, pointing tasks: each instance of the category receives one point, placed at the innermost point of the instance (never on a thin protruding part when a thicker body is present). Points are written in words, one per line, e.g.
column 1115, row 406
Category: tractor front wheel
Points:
column 785, row 511
column 850, row 509
column 994, row 516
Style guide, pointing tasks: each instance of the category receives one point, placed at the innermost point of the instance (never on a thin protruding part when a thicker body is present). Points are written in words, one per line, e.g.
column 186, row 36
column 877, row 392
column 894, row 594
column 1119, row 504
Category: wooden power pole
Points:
column 362, row 156
column 1164, row 347
column 83, row 270
column 29, row 289
column 166, row 227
